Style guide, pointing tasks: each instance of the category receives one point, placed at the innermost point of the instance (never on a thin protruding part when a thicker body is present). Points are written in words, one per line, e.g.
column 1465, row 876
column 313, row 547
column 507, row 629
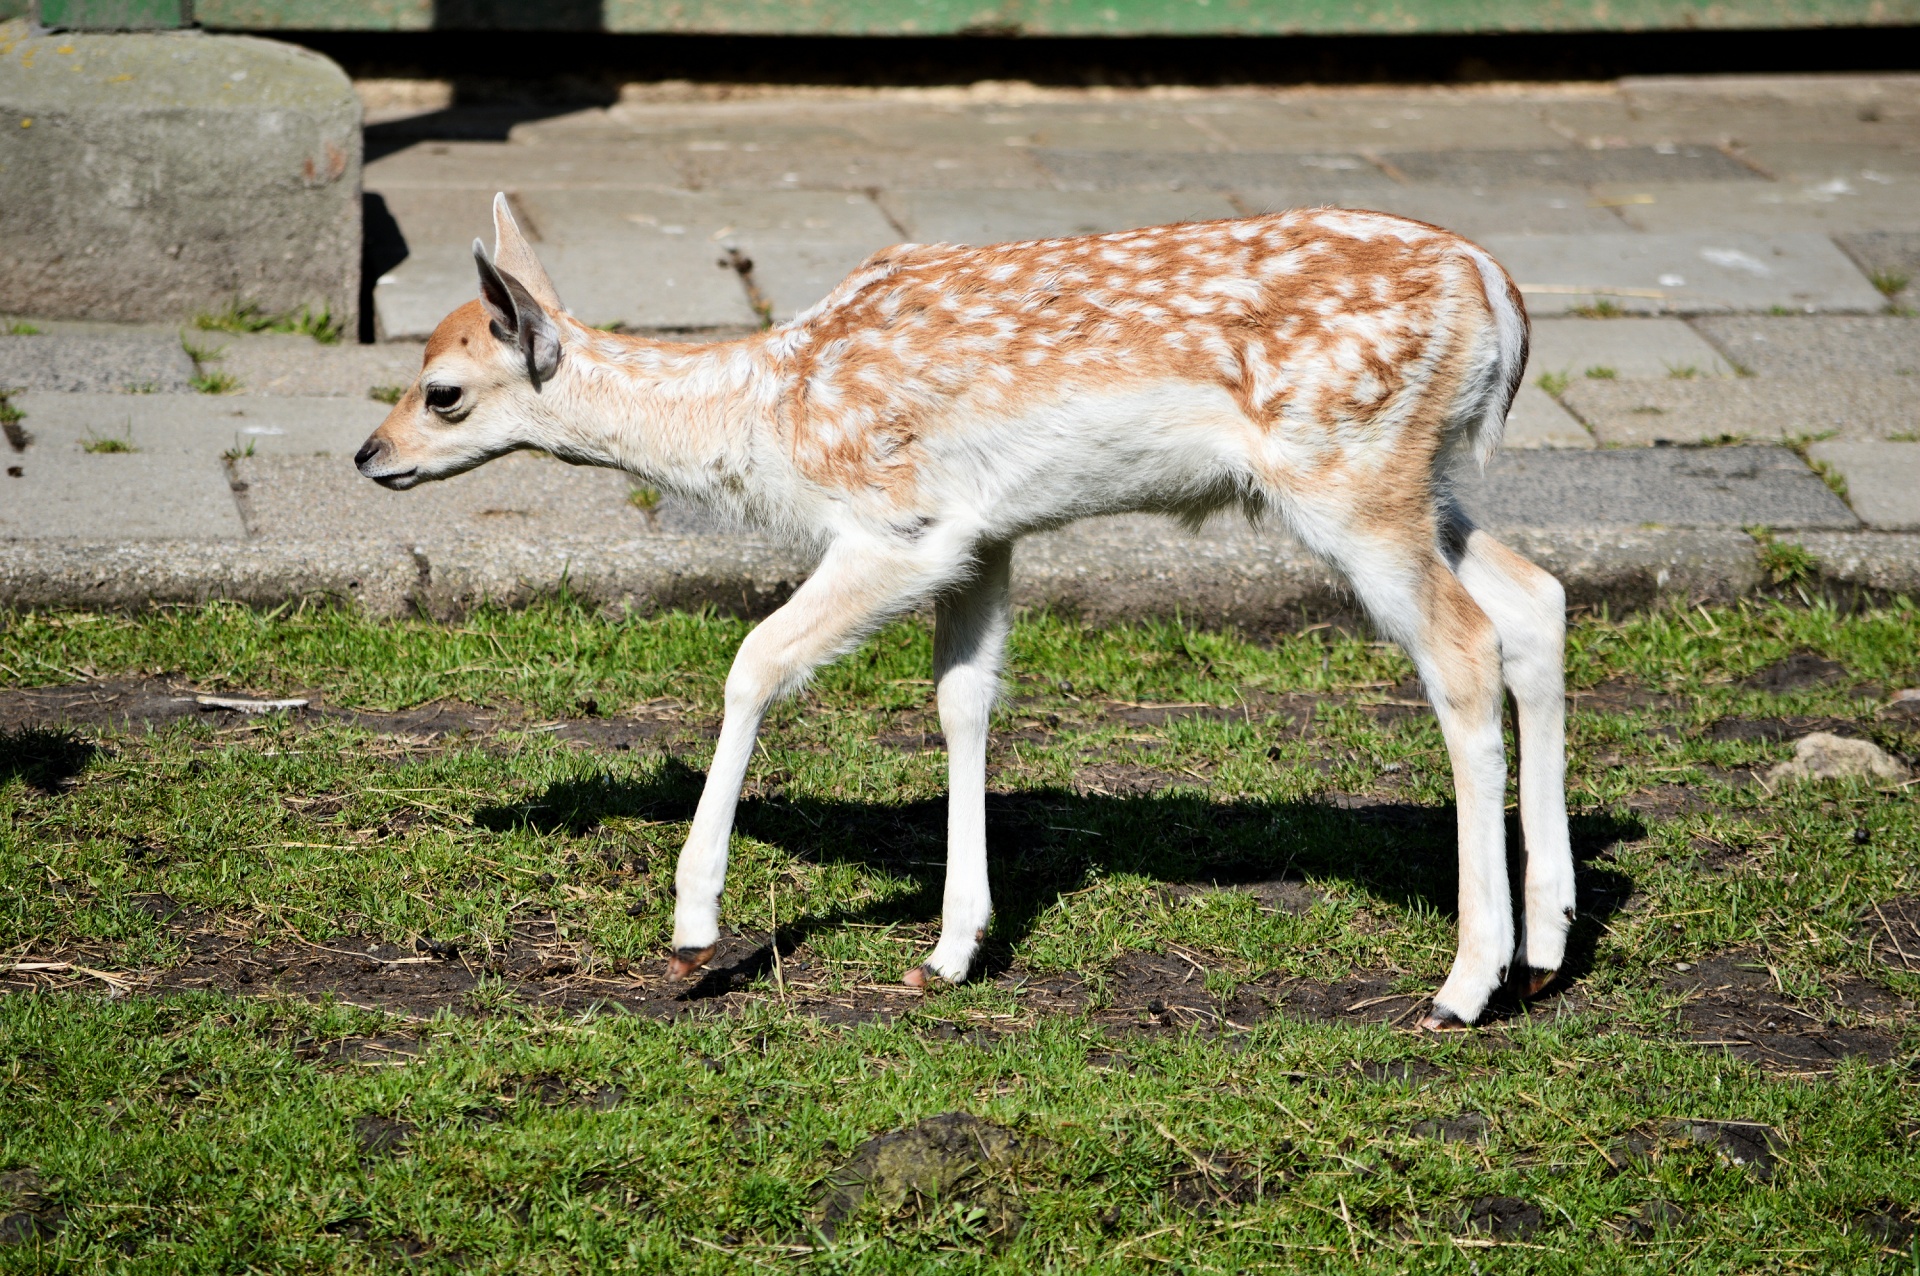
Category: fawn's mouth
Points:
column 400, row 481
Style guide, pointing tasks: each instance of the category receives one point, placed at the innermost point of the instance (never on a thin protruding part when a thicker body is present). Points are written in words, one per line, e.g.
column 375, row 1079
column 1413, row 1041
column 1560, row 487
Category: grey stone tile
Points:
column 158, row 495
column 1831, row 207
column 1698, row 273
column 1377, row 120
column 1473, row 212
column 1570, row 166
column 1537, row 421
column 1811, row 163
column 1670, row 487
column 138, row 362
column 442, row 215
column 1883, row 480
column 1641, row 412
column 410, row 300
column 517, row 497
column 1616, row 122
column 868, row 167
column 1636, row 349
column 990, row 217
column 490, row 166
column 272, row 363
column 1219, row 170
column 199, row 424
column 1818, row 345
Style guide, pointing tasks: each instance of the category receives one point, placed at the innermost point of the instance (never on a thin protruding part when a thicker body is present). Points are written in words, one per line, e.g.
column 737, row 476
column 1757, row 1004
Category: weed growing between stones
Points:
column 248, row 316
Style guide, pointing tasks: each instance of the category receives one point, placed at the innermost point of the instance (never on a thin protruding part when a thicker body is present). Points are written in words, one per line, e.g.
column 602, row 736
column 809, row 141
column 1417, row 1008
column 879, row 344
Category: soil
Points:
column 951, row 1158
column 1797, row 672
column 1734, row 1004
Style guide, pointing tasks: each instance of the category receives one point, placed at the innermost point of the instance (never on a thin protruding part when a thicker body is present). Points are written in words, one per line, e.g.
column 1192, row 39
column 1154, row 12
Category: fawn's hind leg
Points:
column 1417, row 600
column 1529, row 610
column 969, row 638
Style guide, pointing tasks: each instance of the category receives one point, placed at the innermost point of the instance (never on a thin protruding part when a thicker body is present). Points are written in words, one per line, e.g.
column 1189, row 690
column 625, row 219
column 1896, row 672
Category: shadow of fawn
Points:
column 1046, row 842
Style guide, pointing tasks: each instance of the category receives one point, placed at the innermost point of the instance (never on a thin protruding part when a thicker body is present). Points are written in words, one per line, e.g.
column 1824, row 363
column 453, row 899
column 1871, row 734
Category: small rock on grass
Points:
column 1824, row 756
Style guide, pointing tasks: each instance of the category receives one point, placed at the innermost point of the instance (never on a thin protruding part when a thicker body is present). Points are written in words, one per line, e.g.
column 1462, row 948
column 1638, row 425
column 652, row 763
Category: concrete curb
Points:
column 1102, row 570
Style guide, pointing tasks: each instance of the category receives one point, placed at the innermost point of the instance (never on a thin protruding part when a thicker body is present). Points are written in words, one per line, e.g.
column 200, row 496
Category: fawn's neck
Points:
column 686, row 418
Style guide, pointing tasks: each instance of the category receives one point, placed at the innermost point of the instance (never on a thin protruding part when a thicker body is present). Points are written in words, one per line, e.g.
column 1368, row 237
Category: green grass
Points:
column 1890, row 281
column 1554, row 383
column 198, row 1132
column 247, row 316
column 108, row 444
column 388, row 394
column 1601, row 372
column 21, row 328
column 214, row 381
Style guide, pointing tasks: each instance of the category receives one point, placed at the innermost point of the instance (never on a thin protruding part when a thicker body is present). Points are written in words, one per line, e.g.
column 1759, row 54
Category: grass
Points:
column 21, row 328
column 1600, row 308
column 214, row 381
column 247, row 316
column 388, row 394
column 1890, row 281
column 1601, row 372
column 108, row 444
column 200, row 1132
column 1554, row 383
column 1682, row 371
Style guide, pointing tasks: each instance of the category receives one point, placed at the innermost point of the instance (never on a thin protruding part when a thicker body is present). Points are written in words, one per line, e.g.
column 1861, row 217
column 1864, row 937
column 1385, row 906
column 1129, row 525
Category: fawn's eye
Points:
column 442, row 397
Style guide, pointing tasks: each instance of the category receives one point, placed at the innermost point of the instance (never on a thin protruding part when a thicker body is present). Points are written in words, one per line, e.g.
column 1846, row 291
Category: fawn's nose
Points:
column 368, row 453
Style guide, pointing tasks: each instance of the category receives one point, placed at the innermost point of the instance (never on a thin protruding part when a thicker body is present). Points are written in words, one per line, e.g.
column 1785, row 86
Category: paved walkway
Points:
column 1720, row 262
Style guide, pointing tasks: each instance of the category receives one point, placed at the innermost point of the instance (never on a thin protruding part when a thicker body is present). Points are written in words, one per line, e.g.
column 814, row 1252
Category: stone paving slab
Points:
column 1804, row 345
column 199, row 425
column 867, row 168
column 802, row 243
column 991, row 217
column 1670, row 487
column 485, row 167
column 1564, row 164
column 1831, row 207
column 1893, row 256
column 290, row 365
column 1310, row 177
column 520, row 496
column 1635, row 349
column 1858, row 165
column 137, row 363
column 1698, row 273
column 1536, row 420
column 1381, row 119
column 1637, row 413
column 1469, row 211
column 63, row 494
column 1883, row 480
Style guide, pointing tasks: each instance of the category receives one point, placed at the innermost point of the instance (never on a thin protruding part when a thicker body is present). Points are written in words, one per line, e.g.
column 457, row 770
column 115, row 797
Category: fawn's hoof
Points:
column 918, row 977
column 687, row 960
column 1538, row 980
column 1440, row 1019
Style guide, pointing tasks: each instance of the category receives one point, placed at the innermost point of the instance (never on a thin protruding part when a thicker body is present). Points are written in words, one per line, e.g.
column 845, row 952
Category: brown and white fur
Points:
column 1326, row 367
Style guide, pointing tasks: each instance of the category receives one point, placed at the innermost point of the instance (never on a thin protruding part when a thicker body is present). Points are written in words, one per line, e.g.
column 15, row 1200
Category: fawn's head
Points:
column 478, row 395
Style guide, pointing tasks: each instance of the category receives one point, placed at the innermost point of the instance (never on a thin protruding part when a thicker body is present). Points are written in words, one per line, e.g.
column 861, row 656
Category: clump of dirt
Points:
column 1362, row 997
column 382, row 1136
column 1892, row 929
column 1893, row 1226
column 1507, row 1218
column 1734, row 1003
column 1273, row 895
column 1797, row 672
column 29, row 1214
column 1657, row 1217
column 1126, row 779
column 1159, row 990
column 952, row 1158
column 1744, row 1145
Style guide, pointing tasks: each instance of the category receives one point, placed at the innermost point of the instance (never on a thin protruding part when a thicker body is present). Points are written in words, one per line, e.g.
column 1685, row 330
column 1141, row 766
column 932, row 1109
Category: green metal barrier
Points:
column 982, row 17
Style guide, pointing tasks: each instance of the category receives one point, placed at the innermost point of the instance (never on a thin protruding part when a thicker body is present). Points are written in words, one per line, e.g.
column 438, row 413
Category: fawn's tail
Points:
column 1498, row 377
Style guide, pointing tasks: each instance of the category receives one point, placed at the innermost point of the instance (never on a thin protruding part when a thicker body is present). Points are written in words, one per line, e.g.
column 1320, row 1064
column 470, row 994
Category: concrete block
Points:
column 139, row 363
column 1317, row 176
column 1731, row 487
column 305, row 499
column 1818, row 345
column 199, row 424
column 1835, row 206
column 1537, row 421
column 1568, row 165
column 992, row 217
column 152, row 176
column 1883, row 480
column 1635, row 349
column 165, row 495
column 1469, row 211
column 1697, row 273
column 1641, row 412
column 134, row 575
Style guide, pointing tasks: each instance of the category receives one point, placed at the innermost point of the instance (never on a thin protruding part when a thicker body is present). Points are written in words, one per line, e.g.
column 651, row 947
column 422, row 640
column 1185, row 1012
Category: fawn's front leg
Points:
column 969, row 638
column 853, row 590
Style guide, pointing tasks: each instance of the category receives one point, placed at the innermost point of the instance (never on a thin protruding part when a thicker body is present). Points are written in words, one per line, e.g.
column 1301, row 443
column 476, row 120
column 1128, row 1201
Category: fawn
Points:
column 1326, row 366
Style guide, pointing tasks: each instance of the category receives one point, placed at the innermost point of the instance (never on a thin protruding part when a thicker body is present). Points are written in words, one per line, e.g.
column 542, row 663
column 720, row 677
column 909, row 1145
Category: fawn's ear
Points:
column 518, row 319
column 513, row 254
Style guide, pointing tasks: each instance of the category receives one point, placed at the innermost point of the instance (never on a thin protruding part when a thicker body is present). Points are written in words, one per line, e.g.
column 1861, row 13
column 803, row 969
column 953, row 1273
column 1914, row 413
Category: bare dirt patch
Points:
column 1797, row 672
column 1733, row 1003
